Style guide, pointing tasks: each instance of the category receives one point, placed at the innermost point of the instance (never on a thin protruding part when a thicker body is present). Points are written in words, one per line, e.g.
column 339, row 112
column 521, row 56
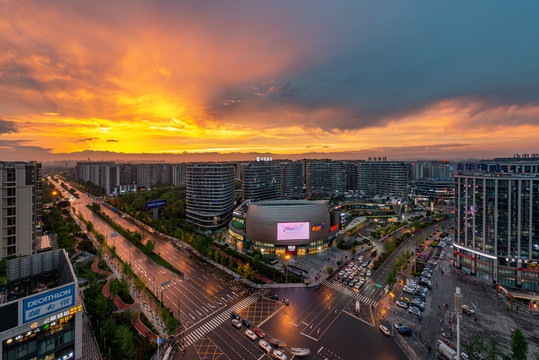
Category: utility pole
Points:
column 458, row 306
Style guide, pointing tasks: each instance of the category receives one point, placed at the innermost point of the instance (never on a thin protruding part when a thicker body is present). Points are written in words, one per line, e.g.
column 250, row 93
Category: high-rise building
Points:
column 41, row 317
column 178, row 175
column 261, row 181
column 326, row 177
column 291, row 178
column 497, row 221
column 383, row 178
column 20, row 207
column 210, row 194
column 350, row 171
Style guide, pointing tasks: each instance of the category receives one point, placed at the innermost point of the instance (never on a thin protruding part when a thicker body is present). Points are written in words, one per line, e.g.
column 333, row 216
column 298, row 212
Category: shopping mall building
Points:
column 497, row 221
column 280, row 227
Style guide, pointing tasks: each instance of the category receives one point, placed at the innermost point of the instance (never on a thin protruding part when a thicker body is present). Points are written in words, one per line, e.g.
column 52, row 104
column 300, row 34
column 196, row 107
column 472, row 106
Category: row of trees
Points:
column 491, row 349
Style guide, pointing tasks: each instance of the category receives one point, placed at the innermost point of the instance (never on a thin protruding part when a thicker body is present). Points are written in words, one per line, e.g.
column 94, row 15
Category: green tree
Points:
column 124, row 345
column 476, row 345
column 150, row 246
column 493, row 349
column 89, row 226
column 519, row 346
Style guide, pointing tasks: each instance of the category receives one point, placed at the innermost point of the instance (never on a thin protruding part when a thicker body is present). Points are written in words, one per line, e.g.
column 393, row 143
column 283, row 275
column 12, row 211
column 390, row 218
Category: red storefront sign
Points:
column 528, row 270
column 334, row 227
column 465, row 256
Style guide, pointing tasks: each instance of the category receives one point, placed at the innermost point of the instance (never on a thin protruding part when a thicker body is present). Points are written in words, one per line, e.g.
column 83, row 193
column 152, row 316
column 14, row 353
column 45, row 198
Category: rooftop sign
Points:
column 49, row 302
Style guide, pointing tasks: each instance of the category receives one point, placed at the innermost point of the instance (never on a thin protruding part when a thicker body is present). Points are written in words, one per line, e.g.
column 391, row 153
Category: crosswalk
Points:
column 346, row 290
column 193, row 335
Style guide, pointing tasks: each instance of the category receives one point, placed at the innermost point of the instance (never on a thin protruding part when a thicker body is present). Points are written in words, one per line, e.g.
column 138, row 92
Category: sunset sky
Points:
column 342, row 79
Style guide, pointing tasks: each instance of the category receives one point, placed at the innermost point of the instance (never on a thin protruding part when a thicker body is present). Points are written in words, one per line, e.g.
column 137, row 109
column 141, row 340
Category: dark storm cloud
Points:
column 406, row 56
column 7, row 127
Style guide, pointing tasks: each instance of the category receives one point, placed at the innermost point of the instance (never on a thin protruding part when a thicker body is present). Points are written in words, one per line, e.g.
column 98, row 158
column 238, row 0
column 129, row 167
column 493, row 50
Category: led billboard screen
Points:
column 293, row 231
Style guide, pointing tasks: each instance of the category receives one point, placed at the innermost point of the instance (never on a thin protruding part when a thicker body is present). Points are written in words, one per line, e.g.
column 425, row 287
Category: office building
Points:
column 350, row 171
column 383, row 178
column 210, row 194
column 39, row 309
column 437, row 191
column 20, row 209
column 326, row 178
column 291, row 175
column 261, row 181
column 497, row 221
column 178, row 175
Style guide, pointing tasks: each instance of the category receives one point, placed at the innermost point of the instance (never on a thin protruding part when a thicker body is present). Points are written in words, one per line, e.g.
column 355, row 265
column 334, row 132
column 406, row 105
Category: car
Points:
column 246, row 323
column 426, row 275
column 422, row 289
column 351, row 276
column 250, row 334
column 235, row 315
column 402, row 304
column 264, row 345
column 468, row 310
column 418, row 303
column 258, row 332
column 433, row 262
column 398, row 326
column 361, row 282
column 341, row 273
column 412, row 310
column 300, row 351
column 464, row 356
column 278, row 355
column 345, row 282
column 405, row 299
column 385, row 330
column 357, row 286
column 405, row 331
column 369, row 273
column 277, row 342
column 236, row 323
column 409, row 290
column 274, row 297
column 336, row 278
column 352, row 282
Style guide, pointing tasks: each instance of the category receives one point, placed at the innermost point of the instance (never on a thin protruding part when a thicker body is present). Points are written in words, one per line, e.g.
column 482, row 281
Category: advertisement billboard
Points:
column 293, row 231
column 47, row 303
column 155, row 204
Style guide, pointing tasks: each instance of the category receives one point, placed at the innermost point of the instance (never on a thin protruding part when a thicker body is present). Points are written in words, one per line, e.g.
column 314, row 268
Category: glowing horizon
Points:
column 135, row 77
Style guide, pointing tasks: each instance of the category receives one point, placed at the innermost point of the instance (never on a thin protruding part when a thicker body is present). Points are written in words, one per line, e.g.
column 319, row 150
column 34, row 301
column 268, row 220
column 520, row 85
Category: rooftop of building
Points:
column 29, row 275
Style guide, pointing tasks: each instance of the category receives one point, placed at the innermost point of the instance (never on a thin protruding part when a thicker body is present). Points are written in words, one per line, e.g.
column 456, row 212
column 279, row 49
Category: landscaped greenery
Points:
column 59, row 221
column 171, row 217
column 135, row 238
column 115, row 330
column 121, row 288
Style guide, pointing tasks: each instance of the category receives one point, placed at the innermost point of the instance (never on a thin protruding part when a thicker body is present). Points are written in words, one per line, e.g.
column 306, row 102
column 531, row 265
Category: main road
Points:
column 203, row 294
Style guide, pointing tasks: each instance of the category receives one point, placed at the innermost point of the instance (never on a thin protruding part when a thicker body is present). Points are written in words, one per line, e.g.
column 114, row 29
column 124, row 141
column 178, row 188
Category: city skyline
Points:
column 215, row 81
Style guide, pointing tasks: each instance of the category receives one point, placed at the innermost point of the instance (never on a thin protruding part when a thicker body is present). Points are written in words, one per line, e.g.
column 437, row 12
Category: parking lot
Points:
column 491, row 316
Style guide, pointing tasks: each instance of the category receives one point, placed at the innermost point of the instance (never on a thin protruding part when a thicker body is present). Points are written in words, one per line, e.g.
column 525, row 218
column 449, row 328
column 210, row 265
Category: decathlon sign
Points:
column 48, row 303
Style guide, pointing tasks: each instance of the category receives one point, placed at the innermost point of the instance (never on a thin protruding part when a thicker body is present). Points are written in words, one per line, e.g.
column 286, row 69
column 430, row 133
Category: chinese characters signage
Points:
column 47, row 303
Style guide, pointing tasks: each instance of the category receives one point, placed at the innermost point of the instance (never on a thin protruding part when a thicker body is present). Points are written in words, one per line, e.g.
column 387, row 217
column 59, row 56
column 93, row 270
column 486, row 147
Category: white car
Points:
column 250, row 334
column 278, row 355
column 300, row 351
column 369, row 273
column 264, row 345
column 236, row 323
column 385, row 330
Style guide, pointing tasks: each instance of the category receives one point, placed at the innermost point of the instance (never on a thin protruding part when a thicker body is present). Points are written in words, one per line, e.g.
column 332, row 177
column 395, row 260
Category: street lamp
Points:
column 287, row 258
column 392, row 306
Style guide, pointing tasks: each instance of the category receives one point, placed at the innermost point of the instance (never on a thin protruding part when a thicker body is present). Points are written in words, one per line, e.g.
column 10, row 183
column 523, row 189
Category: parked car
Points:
column 402, row 304
column 409, row 290
column 404, row 331
column 418, row 303
column 412, row 310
